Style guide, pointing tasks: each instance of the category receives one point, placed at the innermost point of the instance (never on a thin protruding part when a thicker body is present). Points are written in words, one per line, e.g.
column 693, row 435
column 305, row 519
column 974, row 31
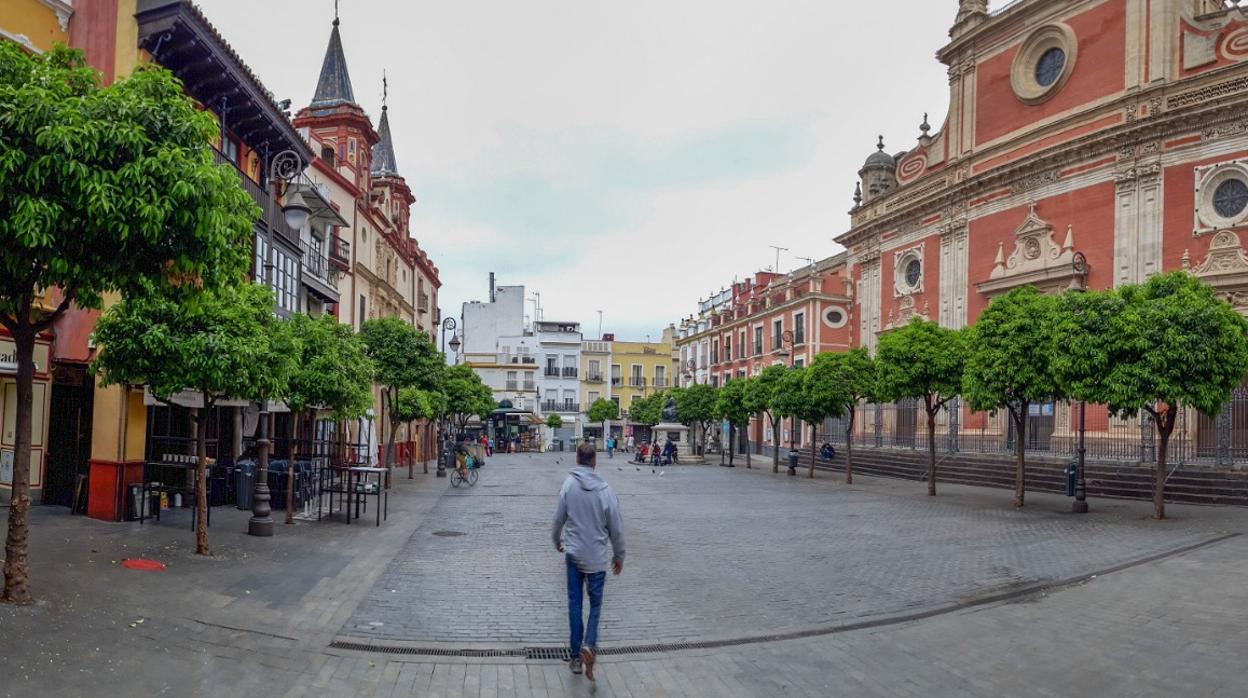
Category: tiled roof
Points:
column 334, row 85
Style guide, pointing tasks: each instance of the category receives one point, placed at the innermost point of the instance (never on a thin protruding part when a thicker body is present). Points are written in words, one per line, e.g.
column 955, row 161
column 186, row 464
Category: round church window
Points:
column 1230, row 198
column 914, row 271
column 1049, row 67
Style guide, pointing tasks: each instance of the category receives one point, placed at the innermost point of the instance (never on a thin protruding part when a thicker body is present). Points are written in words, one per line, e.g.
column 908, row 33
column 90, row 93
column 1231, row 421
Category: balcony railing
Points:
column 551, row 372
column 339, row 252
column 560, row 406
column 316, row 265
column 799, row 337
column 508, row 358
column 758, row 348
column 660, row 382
column 570, row 371
column 637, row 381
column 513, row 385
column 270, row 212
column 530, row 385
column 593, row 377
column 616, row 381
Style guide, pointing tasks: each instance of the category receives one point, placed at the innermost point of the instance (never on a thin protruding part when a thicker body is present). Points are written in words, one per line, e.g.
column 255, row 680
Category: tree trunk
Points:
column 849, row 449
column 16, row 572
column 775, row 445
column 732, row 443
column 813, row 434
column 748, row 458
column 1165, row 425
column 201, row 469
column 1020, row 450
column 931, row 449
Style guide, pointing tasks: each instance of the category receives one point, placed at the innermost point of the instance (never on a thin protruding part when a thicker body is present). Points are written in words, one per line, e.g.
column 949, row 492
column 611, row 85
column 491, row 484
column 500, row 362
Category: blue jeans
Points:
column 610, row 452
column 578, row 584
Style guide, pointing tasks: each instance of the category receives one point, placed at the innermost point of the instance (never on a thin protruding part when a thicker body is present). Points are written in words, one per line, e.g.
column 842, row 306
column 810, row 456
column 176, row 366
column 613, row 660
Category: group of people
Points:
column 653, row 454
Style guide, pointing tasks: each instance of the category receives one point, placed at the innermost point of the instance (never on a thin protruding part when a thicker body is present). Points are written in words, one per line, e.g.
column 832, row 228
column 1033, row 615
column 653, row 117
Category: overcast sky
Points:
column 629, row 156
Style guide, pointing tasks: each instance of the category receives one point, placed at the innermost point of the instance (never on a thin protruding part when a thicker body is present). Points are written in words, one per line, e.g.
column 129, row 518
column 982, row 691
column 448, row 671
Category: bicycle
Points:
column 469, row 474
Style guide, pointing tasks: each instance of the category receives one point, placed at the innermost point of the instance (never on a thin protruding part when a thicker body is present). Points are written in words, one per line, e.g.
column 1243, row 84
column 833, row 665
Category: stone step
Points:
column 1122, row 482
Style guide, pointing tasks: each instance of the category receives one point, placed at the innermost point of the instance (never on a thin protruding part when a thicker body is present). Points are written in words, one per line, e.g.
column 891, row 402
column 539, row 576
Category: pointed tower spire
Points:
column 334, row 85
column 383, row 152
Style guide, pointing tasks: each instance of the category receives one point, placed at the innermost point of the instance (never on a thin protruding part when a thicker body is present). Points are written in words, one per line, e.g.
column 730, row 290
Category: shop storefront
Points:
column 39, row 417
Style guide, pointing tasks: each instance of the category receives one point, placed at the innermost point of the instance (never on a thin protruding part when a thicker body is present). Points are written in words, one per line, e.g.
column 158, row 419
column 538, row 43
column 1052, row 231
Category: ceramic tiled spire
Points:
column 334, row 85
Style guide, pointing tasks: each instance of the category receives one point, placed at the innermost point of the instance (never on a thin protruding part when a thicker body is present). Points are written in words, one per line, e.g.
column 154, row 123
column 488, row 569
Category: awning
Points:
column 318, row 201
column 192, row 399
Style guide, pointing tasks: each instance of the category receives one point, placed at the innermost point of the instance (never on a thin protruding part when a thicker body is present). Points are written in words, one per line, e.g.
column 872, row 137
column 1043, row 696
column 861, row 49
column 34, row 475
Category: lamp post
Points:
column 448, row 325
column 285, row 167
column 1080, row 505
column 261, row 522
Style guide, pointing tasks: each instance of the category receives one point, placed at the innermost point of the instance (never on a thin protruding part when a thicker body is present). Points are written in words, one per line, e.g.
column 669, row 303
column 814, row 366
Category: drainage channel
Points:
column 561, row 653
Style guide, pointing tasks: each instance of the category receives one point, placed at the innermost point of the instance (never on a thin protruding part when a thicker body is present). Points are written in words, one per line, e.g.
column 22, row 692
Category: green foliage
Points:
column 826, row 388
column 109, row 189
column 1010, row 353
column 858, row 376
column 466, row 395
column 763, row 391
column 696, row 404
column 789, row 398
column 402, row 356
column 332, row 371
column 225, row 342
column 731, row 404
column 921, row 360
column 554, row 421
column 603, row 410
column 1169, row 341
column 647, row 411
column 414, row 403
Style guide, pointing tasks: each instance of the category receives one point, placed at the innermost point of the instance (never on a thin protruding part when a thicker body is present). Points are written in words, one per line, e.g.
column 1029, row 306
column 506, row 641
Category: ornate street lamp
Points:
column 261, row 522
column 286, row 167
column 448, row 325
column 1080, row 505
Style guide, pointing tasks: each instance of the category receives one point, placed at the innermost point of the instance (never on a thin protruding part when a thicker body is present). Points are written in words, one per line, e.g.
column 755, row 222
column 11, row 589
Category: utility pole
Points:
column 599, row 325
column 778, row 250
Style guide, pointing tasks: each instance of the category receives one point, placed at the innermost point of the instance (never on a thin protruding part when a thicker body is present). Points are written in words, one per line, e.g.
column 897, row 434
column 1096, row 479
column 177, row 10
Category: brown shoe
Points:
column 575, row 665
column 587, row 657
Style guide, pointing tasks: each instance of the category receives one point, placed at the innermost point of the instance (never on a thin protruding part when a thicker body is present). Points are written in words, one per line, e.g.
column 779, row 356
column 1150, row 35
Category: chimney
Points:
column 491, row 287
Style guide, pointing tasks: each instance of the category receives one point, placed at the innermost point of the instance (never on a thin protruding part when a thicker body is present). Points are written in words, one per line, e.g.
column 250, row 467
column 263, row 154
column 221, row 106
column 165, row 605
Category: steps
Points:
column 1188, row 484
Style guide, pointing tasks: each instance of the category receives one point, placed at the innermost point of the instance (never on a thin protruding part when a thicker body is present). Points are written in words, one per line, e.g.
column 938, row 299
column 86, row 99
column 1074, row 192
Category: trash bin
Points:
column 792, row 462
column 136, row 500
column 1072, row 474
column 244, row 475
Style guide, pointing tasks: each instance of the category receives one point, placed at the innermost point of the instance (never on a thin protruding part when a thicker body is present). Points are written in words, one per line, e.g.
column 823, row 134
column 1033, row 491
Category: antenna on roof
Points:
column 335, row 13
column 778, row 250
column 809, row 262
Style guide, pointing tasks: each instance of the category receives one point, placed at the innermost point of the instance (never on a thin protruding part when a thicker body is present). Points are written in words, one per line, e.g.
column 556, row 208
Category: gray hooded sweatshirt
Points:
column 589, row 513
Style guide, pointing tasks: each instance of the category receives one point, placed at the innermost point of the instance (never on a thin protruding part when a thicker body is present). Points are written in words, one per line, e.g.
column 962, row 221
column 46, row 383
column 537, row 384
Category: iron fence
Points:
column 1052, row 429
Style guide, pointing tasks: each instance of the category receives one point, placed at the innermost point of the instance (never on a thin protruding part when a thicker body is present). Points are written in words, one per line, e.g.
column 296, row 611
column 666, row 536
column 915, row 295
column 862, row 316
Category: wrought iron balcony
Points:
column 593, row 377
column 570, row 371
column 339, row 252
column 560, row 406
column 637, row 381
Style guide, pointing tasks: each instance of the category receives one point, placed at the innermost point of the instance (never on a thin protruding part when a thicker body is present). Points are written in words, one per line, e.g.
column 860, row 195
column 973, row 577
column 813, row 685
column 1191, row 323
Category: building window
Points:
column 262, row 258
column 615, row 374
column 777, row 335
column 728, row 347
column 327, row 154
column 908, row 274
column 660, row 376
column 351, row 149
column 593, row 396
column 758, row 341
column 229, row 148
column 715, row 352
column 835, row 317
column 361, row 317
column 1230, row 198
column 1049, row 67
column 1044, row 63
column 799, row 328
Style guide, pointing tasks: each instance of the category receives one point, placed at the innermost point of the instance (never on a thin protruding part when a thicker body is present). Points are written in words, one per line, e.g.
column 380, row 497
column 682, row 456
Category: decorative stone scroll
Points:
column 1225, row 268
column 1037, row 260
column 905, row 311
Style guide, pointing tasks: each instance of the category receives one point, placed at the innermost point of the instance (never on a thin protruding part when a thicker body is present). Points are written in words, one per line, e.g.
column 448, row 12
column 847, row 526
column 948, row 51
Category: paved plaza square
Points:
column 738, row 583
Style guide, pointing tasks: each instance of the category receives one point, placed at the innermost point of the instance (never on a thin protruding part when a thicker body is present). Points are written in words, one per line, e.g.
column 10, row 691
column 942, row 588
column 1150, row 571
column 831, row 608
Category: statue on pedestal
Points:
column 670, row 415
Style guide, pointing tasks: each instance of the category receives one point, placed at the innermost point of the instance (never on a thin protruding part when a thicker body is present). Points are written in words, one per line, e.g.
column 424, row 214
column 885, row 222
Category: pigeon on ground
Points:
column 639, row 470
column 652, row 471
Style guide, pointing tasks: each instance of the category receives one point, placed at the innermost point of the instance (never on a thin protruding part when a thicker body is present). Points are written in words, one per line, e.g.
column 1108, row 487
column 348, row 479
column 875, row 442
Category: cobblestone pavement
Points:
column 259, row 617
column 717, row 553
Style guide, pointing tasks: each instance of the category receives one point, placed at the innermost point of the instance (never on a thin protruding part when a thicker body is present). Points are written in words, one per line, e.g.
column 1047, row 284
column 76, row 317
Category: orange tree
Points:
column 102, row 190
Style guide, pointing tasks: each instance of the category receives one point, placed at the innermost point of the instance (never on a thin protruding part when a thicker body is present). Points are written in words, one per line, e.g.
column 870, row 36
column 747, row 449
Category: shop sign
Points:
column 8, row 357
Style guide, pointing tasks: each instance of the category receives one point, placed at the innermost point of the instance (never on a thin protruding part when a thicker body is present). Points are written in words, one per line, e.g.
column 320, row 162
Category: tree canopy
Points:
column 332, row 371
column 695, row 405
column 730, row 403
column 102, row 189
column 647, row 411
column 554, row 421
column 1009, row 363
column 603, row 410
column 1155, row 347
column 857, row 377
column 402, row 357
column 466, row 395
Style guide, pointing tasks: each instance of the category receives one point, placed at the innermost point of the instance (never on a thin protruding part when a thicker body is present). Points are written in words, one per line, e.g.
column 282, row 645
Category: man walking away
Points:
column 588, row 514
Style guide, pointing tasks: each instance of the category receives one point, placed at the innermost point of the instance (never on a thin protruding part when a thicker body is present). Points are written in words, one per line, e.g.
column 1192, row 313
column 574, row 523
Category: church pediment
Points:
column 1037, row 259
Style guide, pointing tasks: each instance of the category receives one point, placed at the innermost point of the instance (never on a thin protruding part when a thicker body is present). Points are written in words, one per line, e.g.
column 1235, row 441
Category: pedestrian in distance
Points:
column 610, row 447
column 629, row 444
column 587, row 516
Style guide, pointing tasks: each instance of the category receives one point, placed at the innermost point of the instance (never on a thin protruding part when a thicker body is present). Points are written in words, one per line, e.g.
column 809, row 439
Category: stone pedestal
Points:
column 679, row 434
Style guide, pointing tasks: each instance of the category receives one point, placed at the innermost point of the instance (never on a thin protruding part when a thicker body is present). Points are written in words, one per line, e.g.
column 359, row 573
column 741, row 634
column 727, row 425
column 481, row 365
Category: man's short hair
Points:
column 585, row 454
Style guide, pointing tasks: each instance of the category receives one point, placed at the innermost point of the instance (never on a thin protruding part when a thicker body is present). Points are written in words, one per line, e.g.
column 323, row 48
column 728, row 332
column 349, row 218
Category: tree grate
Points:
column 425, row 651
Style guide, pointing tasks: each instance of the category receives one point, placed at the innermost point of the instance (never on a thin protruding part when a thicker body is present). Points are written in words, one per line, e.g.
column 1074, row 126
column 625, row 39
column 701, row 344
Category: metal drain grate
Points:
column 449, row 534
column 560, row 653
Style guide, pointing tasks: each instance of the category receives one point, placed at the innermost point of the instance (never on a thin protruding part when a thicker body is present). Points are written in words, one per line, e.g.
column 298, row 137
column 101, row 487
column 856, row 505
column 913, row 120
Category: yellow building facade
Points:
column 623, row 372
